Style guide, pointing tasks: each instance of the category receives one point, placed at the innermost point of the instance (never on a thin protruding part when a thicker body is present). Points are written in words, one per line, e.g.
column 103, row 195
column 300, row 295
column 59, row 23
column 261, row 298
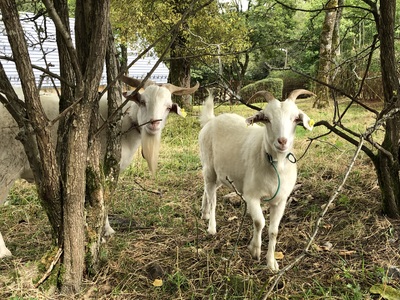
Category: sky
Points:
column 244, row 3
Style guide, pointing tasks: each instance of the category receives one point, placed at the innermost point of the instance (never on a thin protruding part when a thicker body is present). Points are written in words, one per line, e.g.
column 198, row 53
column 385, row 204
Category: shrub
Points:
column 273, row 85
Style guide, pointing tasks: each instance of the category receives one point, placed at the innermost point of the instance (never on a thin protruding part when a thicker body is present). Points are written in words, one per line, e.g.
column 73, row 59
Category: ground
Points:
column 161, row 249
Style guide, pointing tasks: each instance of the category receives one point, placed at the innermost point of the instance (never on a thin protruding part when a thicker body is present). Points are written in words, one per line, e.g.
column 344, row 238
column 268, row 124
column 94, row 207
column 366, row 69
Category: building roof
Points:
column 47, row 54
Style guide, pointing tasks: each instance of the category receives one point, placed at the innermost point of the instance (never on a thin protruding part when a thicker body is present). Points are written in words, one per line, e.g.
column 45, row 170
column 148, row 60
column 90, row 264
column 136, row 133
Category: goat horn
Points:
column 294, row 94
column 267, row 96
column 133, row 82
column 179, row 91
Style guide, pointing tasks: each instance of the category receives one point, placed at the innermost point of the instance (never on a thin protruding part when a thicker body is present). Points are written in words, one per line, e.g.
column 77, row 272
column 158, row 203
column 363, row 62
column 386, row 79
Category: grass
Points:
column 159, row 228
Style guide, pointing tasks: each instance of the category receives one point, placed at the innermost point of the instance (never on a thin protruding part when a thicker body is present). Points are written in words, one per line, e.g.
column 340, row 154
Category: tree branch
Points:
column 335, row 130
column 67, row 39
column 324, row 8
column 44, row 70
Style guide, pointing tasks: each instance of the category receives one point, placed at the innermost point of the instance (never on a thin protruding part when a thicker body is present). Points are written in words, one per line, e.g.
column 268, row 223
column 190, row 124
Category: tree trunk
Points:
column 40, row 150
column 67, row 173
column 123, row 59
column 82, row 174
column 388, row 167
column 180, row 71
column 113, row 151
column 336, row 29
column 325, row 55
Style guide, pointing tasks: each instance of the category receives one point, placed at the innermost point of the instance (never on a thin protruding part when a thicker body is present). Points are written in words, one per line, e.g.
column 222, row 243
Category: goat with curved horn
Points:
column 256, row 158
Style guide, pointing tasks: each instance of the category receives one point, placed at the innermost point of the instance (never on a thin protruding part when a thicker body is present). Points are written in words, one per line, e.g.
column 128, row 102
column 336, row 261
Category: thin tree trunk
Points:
column 113, row 151
column 325, row 55
column 180, row 70
column 388, row 168
column 336, row 29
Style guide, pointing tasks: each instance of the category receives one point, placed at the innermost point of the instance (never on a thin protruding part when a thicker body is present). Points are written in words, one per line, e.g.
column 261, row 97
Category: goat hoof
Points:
column 5, row 253
column 255, row 252
column 212, row 231
column 273, row 266
column 108, row 231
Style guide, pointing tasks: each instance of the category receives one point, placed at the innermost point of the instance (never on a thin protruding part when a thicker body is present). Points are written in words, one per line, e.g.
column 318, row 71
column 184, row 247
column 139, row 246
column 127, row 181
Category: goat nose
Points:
column 282, row 141
column 155, row 122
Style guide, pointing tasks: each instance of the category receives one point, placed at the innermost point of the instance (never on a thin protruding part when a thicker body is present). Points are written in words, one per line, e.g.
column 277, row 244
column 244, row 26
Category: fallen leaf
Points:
column 157, row 282
column 331, row 206
column 347, row 252
column 279, row 255
column 316, row 247
column 327, row 246
column 385, row 291
column 232, row 218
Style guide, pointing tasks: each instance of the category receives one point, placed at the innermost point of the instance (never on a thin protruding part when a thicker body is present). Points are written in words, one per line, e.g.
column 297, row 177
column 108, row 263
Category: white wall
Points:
column 138, row 70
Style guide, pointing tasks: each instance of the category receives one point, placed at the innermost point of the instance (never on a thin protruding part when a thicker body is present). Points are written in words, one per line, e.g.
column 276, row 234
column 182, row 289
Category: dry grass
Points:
column 160, row 234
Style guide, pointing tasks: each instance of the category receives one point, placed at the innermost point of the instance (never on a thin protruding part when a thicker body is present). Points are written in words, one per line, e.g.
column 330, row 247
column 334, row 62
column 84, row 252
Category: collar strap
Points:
column 290, row 157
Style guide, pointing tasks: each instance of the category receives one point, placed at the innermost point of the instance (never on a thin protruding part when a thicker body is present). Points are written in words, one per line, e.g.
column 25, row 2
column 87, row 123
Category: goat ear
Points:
column 306, row 121
column 135, row 97
column 179, row 111
column 258, row 117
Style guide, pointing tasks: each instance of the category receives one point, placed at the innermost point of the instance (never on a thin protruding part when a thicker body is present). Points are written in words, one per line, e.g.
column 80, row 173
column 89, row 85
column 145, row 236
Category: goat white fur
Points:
column 230, row 150
column 151, row 107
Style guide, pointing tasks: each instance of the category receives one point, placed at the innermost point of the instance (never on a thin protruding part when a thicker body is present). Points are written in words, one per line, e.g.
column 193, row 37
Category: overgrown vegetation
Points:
column 160, row 234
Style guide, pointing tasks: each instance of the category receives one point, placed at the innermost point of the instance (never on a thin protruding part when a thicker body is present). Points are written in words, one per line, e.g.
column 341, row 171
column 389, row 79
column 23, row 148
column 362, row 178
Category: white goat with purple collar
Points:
column 142, row 123
column 257, row 160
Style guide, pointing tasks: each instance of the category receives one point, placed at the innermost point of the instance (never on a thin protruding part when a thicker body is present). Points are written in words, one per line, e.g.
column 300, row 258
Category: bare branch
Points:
column 335, row 130
column 44, row 70
column 50, row 268
column 67, row 39
column 324, row 8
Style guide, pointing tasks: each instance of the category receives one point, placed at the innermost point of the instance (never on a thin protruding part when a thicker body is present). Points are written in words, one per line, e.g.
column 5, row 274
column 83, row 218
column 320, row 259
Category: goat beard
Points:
column 151, row 149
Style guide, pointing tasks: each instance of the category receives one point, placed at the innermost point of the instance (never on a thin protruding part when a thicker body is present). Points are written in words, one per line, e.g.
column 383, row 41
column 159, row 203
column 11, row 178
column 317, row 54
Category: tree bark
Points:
column 113, row 151
column 82, row 173
column 325, row 55
column 336, row 29
column 388, row 168
column 180, row 70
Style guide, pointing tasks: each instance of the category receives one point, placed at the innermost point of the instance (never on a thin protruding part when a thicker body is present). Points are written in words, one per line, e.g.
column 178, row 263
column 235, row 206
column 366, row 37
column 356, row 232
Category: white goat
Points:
column 151, row 107
column 256, row 159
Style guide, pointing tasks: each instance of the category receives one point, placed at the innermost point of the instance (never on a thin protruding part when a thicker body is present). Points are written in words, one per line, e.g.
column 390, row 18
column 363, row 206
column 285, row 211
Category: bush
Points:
column 291, row 81
column 272, row 85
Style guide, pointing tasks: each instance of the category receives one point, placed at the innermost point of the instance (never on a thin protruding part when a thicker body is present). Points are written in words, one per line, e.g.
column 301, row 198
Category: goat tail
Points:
column 207, row 112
